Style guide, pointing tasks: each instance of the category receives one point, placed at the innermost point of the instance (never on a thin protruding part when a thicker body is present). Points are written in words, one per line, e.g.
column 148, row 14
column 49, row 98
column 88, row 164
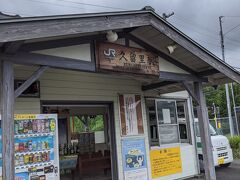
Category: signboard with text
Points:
column 118, row 58
column 165, row 161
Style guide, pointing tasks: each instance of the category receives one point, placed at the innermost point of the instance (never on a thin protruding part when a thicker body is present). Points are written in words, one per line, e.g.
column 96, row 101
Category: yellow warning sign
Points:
column 165, row 161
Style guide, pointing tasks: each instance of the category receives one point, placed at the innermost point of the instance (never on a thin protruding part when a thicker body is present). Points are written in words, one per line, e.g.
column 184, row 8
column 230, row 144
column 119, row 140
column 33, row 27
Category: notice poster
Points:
column 134, row 159
column 165, row 161
column 131, row 114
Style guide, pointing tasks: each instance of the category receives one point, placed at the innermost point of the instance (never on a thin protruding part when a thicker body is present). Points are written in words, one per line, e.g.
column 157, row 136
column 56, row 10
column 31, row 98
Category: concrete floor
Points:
column 230, row 173
column 95, row 176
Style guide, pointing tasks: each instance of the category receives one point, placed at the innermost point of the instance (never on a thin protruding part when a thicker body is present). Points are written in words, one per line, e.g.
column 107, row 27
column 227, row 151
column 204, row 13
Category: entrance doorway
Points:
column 86, row 137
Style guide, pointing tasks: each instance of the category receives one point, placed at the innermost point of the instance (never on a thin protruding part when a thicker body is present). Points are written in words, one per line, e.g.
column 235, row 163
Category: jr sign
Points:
column 114, row 57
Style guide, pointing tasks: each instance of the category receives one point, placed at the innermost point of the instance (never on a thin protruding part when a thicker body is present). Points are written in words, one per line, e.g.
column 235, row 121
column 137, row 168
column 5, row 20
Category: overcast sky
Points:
column 196, row 18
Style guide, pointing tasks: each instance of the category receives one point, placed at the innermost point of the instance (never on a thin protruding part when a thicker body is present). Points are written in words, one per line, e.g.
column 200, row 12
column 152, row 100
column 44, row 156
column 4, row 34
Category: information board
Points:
column 165, row 162
column 134, row 159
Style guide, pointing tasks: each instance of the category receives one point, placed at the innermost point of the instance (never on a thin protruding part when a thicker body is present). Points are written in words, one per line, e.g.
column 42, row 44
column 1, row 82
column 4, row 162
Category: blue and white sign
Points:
column 134, row 159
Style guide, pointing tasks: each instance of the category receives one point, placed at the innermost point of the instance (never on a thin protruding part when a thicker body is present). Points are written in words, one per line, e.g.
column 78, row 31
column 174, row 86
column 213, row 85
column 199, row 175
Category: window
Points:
column 183, row 121
column 167, row 121
column 213, row 132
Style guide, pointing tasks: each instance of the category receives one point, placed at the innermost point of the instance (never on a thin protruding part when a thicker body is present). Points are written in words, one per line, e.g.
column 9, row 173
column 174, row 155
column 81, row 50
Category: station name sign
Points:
column 118, row 58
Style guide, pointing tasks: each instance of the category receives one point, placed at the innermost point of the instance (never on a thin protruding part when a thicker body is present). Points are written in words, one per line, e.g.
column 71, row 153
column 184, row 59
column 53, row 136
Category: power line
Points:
column 211, row 35
column 55, row 4
column 232, row 16
column 233, row 40
column 186, row 20
column 95, row 5
column 231, row 29
column 79, row 3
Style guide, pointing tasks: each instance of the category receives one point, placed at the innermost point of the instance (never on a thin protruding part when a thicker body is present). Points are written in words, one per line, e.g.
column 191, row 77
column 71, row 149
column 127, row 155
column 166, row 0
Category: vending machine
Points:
column 36, row 147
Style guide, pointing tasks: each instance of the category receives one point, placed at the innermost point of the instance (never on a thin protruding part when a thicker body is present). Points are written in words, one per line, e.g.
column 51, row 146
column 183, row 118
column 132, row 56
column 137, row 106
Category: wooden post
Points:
column 205, row 133
column 7, row 103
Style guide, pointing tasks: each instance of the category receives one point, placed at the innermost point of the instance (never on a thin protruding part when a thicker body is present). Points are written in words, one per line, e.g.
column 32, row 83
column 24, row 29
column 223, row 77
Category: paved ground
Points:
column 230, row 173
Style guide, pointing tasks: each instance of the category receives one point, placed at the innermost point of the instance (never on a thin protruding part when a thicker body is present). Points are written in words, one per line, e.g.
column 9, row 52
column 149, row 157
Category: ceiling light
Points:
column 171, row 48
column 111, row 36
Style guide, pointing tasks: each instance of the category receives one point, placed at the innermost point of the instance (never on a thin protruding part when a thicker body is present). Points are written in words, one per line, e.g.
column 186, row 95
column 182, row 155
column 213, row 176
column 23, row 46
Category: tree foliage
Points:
column 92, row 123
column 217, row 95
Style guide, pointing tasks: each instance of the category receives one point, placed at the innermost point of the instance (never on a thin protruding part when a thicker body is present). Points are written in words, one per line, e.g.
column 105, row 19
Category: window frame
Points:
column 187, row 122
column 162, row 125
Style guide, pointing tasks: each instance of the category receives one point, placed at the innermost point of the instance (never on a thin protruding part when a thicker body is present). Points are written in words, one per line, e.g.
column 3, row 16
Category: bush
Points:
column 235, row 145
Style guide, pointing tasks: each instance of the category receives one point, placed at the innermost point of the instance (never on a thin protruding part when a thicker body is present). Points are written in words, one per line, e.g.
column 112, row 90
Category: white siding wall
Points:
column 78, row 52
column 71, row 85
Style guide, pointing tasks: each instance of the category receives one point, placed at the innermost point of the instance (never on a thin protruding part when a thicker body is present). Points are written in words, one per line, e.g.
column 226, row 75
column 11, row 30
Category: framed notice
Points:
column 134, row 159
column 166, row 161
column 131, row 114
column 33, row 91
column 118, row 58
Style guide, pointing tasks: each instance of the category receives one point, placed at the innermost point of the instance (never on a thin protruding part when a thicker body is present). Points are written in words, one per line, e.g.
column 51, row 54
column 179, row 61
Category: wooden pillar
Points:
column 205, row 133
column 7, row 104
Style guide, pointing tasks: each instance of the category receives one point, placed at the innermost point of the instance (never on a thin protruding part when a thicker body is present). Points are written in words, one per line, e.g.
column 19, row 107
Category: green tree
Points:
column 217, row 95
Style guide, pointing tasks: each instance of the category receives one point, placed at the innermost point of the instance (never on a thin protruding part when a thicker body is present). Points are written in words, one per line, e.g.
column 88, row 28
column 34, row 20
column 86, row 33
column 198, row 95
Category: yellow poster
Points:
column 165, row 161
column 24, row 116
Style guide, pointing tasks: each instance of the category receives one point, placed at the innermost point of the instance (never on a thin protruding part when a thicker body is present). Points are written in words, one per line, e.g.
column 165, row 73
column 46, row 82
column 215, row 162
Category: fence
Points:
column 225, row 128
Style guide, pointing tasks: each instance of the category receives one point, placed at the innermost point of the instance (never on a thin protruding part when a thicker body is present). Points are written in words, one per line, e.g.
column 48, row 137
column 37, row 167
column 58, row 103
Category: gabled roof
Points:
column 144, row 27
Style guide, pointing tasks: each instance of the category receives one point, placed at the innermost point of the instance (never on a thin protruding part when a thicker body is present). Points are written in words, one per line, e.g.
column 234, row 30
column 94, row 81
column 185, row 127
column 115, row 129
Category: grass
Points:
column 235, row 145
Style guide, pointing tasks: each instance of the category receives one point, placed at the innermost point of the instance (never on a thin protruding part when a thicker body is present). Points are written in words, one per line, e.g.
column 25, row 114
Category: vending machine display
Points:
column 36, row 147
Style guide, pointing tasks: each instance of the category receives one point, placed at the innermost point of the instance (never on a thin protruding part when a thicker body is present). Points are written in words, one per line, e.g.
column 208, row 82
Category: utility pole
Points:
column 226, row 85
column 234, row 107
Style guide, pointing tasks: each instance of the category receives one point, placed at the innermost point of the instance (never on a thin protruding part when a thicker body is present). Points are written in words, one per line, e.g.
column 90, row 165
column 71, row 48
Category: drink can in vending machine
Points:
column 43, row 145
column 25, row 127
column 35, row 158
column 21, row 147
column 17, row 160
column 48, row 156
column 21, row 160
column 30, row 147
column 52, row 125
column 16, row 127
column 30, row 130
column 39, row 125
column 26, row 159
column 47, row 126
column 39, row 145
column 31, row 158
column 16, row 147
column 39, row 157
column 20, row 127
column 34, row 126
column 43, row 125
column 34, row 145
column 25, row 146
